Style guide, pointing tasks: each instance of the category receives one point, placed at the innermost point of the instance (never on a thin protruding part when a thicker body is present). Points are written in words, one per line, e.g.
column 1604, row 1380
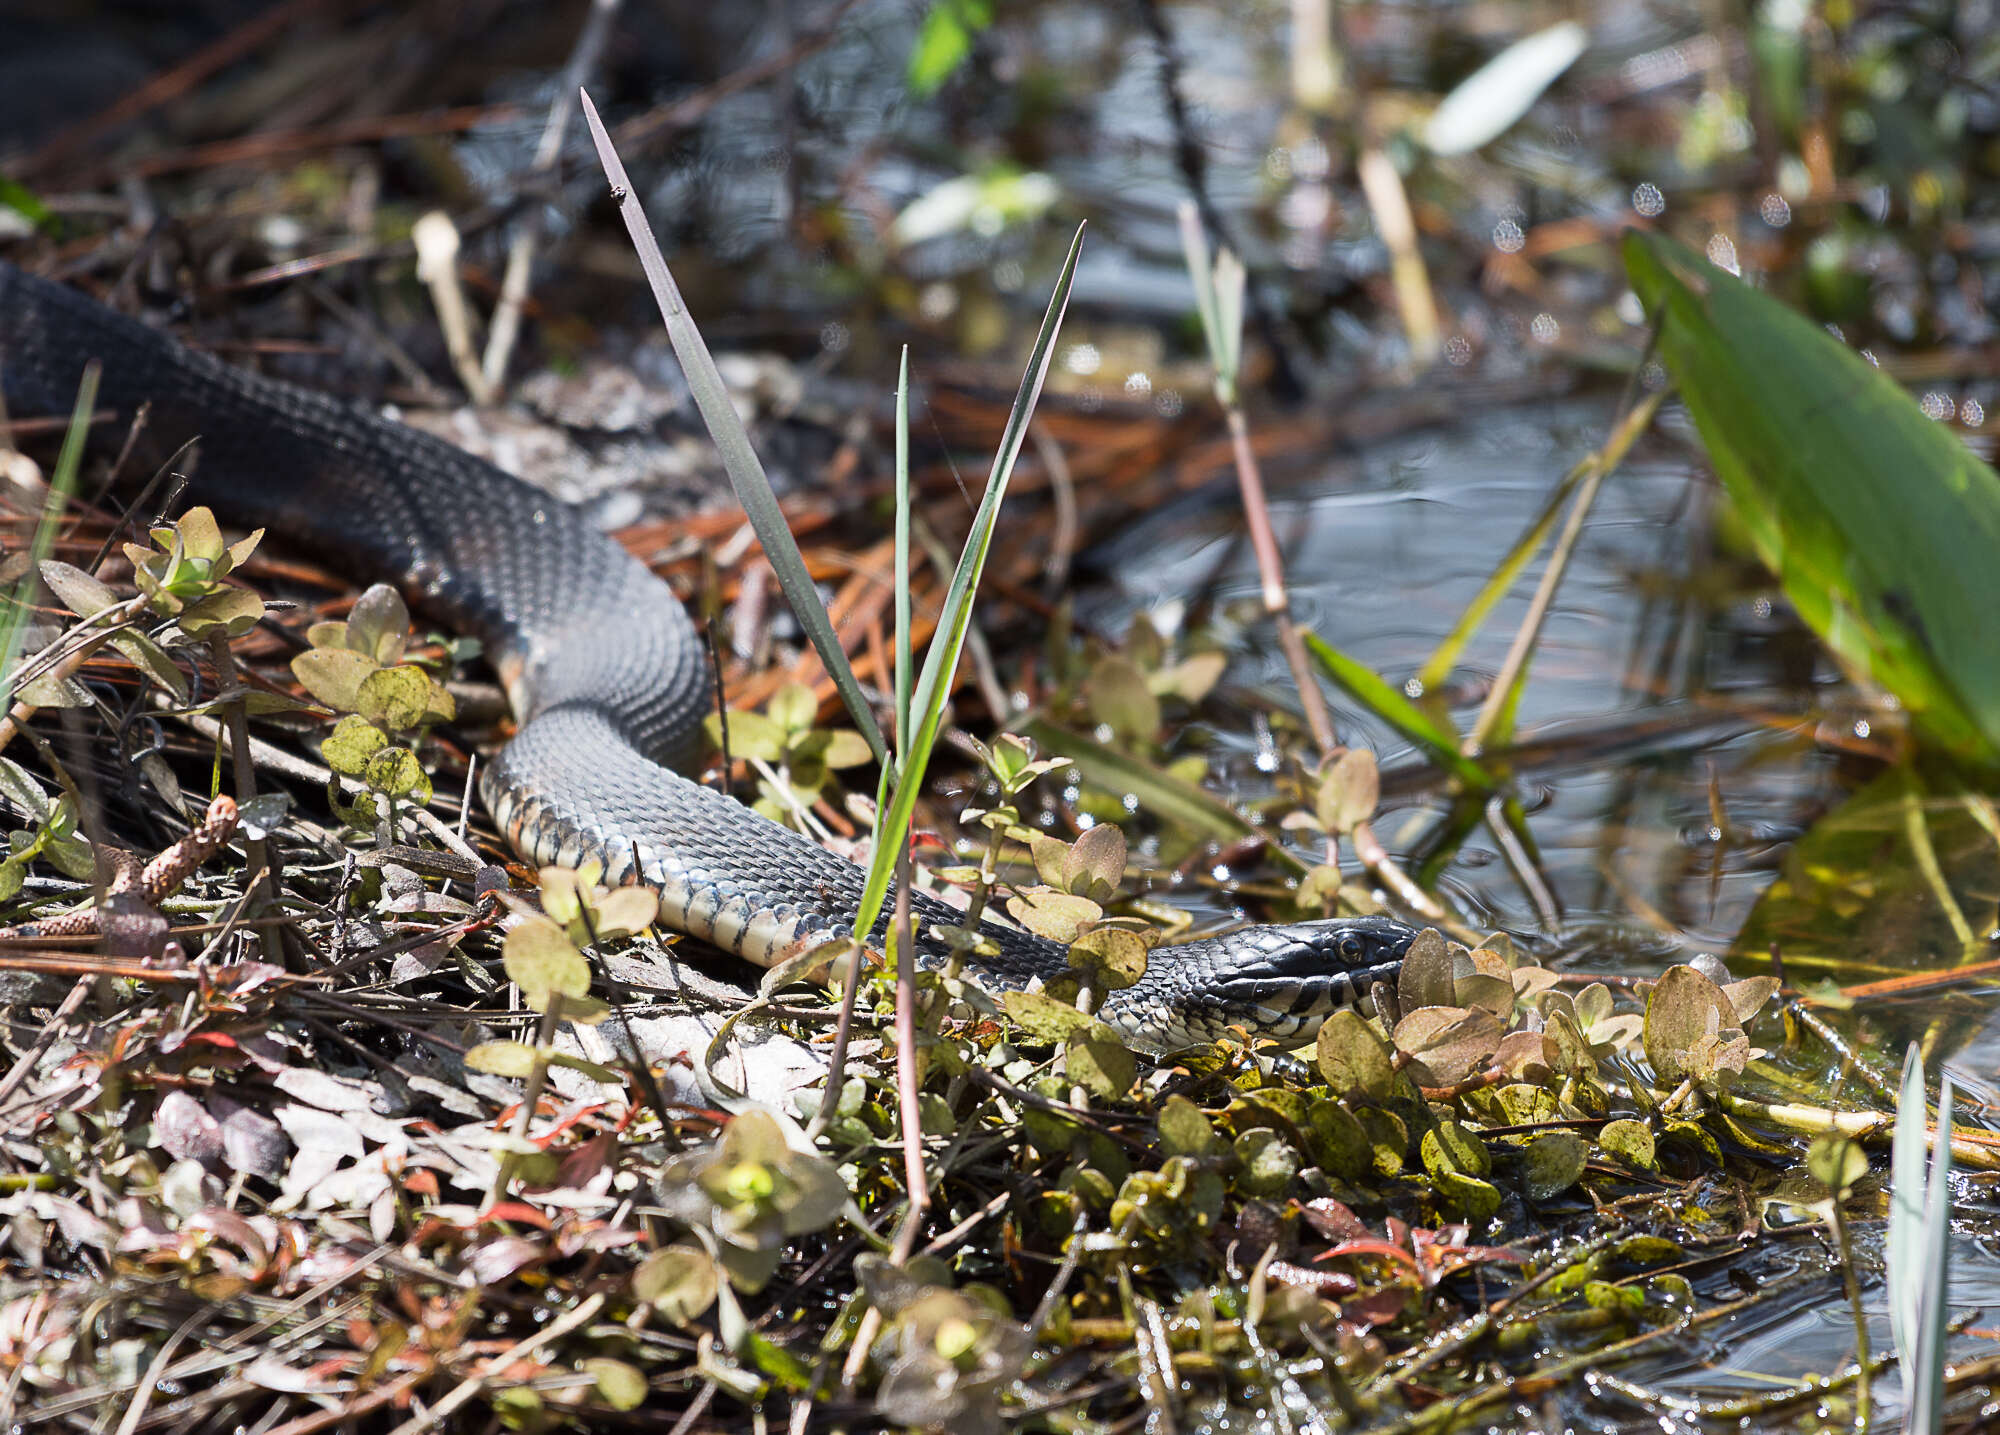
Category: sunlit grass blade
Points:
column 1906, row 1210
column 1880, row 523
column 1367, row 687
column 62, row 483
column 904, row 655
column 955, row 617
column 1919, row 1225
column 732, row 441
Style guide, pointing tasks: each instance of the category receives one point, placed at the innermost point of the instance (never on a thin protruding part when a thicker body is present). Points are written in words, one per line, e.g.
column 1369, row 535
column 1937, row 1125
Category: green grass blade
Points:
column 732, row 441
column 927, row 709
column 904, row 655
column 62, row 483
column 1880, row 524
column 1366, row 686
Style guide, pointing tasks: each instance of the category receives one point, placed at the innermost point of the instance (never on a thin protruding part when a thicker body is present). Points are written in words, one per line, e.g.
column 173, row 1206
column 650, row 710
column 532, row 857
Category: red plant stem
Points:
column 1271, row 571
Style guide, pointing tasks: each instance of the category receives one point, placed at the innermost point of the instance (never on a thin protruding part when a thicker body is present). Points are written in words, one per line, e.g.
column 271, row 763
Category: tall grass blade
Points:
column 1924, row 1380
column 732, row 441
column 904, row 654
column 955, row 618
column 62, row 483
column 1906, row 1210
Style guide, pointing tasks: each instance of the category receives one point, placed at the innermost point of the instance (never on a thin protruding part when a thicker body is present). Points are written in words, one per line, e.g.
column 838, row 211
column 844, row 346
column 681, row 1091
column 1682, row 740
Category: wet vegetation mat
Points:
column 322, row 1111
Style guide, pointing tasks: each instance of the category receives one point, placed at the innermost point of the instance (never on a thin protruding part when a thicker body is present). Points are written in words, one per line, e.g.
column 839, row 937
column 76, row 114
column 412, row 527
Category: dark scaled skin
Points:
column 602, row 666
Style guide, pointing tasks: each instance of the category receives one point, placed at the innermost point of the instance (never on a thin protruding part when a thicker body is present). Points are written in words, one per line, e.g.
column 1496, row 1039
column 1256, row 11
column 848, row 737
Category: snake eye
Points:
column 1350, row 947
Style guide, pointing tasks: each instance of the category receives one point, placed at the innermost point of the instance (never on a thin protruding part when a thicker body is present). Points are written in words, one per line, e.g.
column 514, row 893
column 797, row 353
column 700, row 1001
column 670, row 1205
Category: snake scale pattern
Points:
column 603, row 668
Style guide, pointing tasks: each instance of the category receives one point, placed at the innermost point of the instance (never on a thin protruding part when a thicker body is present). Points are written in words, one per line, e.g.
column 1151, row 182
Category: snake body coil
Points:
column 603, row 669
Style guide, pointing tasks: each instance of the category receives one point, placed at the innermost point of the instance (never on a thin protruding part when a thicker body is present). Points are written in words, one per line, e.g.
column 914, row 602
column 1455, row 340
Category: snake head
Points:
column 1277, row 981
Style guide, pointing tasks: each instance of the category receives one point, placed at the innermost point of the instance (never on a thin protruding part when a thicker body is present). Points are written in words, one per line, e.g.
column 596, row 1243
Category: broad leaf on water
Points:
column 1691, row 1029
column 1353, row 1057
column 1880, row 524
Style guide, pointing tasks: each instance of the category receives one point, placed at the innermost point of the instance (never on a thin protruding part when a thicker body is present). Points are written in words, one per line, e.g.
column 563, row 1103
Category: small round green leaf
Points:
column 540, row 959
column 1551, row 1164
column 396, row 698
column 351, row 744
column 620, row 1386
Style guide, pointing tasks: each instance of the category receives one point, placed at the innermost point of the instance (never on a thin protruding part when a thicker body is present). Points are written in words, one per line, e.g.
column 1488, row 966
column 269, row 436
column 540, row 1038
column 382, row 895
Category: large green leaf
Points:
column 1882, row 527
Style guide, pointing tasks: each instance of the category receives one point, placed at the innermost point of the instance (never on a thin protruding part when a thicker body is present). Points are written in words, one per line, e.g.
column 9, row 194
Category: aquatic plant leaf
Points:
column 1043, row 1017
column 1553, row 1163
column 395, row 772
column 1836, row 1162
column 201, row 536
column 1103, row 1068
column 1114, row 958
column 394, row 698
column 1353, row 1058
column 1349, row 792
column 378, row 625
column 1691, row 1029
column 232, row 611
column 1094, row 864
column 1447, row 1044
column 1185, row 1129
column 1120, row 698
column 83, row 594
column 1059, row 916
column 1366, row 686
column 750, row 735
column 1458, row 1165
column 351, row 744
column 1879, row 523
column 1265, row 1162
column 1426, row 977
column 152, row 660
column 1630, row 1141
column 333, row 675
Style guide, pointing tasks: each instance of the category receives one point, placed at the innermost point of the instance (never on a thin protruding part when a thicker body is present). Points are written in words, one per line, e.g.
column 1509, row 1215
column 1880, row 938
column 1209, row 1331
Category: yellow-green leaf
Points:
column 395, row 698
column 541, row 960
column 333, row 675
column 502, row 1058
